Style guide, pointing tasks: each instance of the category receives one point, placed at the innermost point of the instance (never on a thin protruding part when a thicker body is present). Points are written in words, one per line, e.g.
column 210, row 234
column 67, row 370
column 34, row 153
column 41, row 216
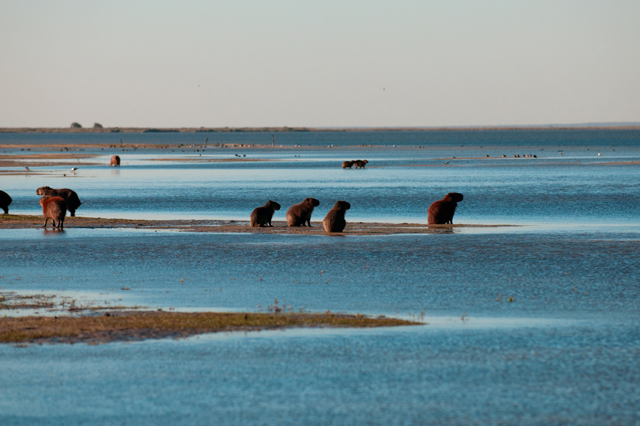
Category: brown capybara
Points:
column 300, row 214
column 115, row 161
column 441, row 212
column 54, row 208
column 360, row 164
column 5, row 200
column 70, row 197
column 261, row 216
column 334, row 221
column 347, row 164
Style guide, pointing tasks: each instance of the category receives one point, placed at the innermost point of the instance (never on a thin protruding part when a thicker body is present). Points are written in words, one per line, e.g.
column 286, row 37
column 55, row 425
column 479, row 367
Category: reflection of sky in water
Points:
column 564, row 351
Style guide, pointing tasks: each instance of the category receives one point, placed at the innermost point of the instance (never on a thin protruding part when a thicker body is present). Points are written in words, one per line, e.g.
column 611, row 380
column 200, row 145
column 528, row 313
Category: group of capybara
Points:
column 56, row 202
column 358, row 163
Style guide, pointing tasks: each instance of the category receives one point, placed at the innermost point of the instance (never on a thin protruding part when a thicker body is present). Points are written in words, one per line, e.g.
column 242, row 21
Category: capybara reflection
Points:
column 334, row 222
column 347, row 164
column 300, row 214
column 360, row 163
column 261, row 216
column 5, row 200
column 70, row 197
column 115, row 161
column 441, row 212
column 54, row 208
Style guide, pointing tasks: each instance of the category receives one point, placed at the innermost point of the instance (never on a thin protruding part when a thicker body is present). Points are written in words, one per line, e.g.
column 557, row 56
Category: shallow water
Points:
column 534, row 324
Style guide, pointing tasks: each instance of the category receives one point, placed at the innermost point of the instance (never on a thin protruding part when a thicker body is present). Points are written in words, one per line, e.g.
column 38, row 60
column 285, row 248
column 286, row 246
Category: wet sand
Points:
column 231, row 226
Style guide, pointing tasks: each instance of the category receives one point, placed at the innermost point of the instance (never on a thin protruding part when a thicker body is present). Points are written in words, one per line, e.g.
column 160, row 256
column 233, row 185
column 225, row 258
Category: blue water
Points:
column 533, row 324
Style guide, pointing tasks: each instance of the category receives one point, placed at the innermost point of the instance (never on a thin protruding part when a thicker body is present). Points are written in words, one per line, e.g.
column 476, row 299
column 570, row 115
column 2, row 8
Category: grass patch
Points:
column 127, row 326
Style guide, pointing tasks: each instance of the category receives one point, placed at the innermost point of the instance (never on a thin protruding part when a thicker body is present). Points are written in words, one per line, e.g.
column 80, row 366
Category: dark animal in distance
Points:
column 261, row 216
column 360, row 163
column 115, row 161
column 441, row 212
column 334, row 221
column 70, row 197
column 347, row 164
column 54, row 208
column 300, row 214
column 5, row 200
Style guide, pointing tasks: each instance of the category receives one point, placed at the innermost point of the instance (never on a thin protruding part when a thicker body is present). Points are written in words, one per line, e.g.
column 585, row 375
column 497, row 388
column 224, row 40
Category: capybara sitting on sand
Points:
column 54, row 208
column 347, row 164
column 70, row 197
column 5, row 200
column 115, row 161
column 441, row 212
column 300, row 214
column 360, row 163
column 261, row 216
column 334, row 222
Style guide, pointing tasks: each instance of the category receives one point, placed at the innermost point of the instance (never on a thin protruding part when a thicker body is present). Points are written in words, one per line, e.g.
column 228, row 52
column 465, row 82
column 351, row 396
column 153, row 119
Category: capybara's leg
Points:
column 46, row 219
column 73, row 212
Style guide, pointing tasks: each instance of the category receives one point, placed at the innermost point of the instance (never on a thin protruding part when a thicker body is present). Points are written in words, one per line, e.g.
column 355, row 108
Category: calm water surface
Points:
column 565, row 350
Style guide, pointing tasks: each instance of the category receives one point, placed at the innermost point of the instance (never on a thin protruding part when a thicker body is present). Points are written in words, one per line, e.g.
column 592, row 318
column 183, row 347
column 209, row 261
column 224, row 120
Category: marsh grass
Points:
column 127, row 326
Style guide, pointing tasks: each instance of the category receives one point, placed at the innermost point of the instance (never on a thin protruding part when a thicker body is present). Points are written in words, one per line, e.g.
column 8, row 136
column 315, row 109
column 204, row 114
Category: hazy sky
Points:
column 318, row 63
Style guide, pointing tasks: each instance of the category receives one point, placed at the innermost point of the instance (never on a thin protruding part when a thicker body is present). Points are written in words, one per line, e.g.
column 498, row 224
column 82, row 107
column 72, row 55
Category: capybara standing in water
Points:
column 115, row 161
column 347, row 164
column 54, row 208
column 441, row 212
column 261, row 216
column 5, row 200
column 70, row 197
column 334, row 222
column 360, row 164
column 300, row 214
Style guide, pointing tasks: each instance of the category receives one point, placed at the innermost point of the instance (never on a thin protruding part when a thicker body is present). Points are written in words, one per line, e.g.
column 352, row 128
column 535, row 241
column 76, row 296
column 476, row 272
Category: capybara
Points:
column 54, row 208
column 261, row 216
column 334, row 222
column 115, row 161
column 300, row 214
column 441, row 212
column 347, row 164
column 70, row 197
column 360, row 164
column 5, row 200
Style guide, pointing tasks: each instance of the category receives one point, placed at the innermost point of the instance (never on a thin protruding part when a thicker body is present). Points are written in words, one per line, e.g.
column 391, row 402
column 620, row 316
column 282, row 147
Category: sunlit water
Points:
column 535, row 324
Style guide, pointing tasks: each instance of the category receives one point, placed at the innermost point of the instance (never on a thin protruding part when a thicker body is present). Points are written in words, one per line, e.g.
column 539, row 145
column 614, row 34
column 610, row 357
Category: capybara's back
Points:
column 54, row 208
column 300, row 214
column 347, row 164
column 69, row 195
column 262, row 216
column 441, row 212
column 5, row 200
column 334, row 221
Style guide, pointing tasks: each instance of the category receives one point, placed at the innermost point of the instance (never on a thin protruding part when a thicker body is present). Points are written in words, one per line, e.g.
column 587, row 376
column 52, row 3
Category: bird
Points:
column 73, row 169
column 26, row 168
column 446, row 162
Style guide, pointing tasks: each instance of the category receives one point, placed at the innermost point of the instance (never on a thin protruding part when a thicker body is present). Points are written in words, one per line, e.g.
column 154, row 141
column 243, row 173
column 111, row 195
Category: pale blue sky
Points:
column 323, row 63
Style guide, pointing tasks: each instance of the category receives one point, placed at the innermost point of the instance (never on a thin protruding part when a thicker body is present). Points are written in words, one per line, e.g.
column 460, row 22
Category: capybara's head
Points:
column 365, row 161
column 341, row 205
column 312, row 201
column 273, row 205
column 453, row 197
column 42, row 190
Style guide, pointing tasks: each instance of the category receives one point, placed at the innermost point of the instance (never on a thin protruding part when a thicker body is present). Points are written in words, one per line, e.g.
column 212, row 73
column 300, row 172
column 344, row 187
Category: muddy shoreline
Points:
column 232, row 226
